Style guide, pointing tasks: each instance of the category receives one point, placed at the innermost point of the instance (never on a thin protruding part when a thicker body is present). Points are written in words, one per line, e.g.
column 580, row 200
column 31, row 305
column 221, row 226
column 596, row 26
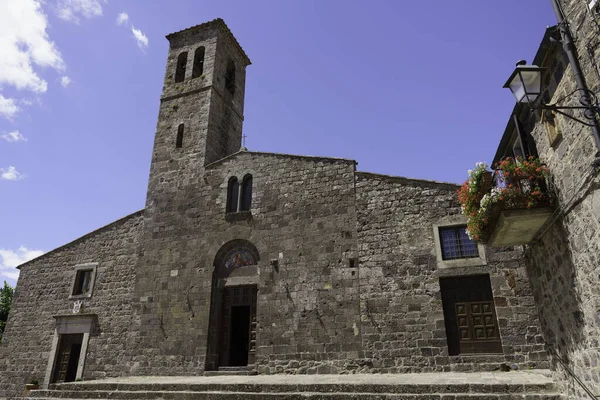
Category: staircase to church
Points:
column 223, row 371
column 524, row 385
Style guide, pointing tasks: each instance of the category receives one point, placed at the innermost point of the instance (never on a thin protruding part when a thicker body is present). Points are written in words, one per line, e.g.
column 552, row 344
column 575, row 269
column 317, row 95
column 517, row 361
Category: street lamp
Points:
column 525, row 82
column 526, row 85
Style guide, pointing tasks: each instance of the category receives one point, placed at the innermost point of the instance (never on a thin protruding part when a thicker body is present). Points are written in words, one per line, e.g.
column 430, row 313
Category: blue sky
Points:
column 409, row 88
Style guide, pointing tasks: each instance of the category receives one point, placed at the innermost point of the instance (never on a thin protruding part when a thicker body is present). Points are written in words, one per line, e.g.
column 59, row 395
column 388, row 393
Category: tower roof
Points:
column 220, row 24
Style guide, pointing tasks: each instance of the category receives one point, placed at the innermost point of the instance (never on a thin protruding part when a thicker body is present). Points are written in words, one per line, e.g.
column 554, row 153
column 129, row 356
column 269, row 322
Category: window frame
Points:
column 517, row 146
column 552, row 127
column 480, row 260
column 459, row 243
column 92, row 267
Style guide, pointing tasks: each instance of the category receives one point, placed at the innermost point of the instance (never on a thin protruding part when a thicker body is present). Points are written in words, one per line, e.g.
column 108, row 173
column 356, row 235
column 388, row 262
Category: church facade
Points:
column 270, row 263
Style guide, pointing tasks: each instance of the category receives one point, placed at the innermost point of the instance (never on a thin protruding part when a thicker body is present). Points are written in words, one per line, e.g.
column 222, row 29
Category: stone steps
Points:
column 247, row 370
column 441, row 386
column 296, row 396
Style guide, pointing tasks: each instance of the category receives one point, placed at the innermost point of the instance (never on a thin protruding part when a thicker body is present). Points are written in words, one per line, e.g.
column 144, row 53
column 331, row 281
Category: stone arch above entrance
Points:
column 234, row 255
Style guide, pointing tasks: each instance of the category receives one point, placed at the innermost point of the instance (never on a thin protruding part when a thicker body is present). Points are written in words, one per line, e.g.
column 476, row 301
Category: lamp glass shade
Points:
column 526, row 83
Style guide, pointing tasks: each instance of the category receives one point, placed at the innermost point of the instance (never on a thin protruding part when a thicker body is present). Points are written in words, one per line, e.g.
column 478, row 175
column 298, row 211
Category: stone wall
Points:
column 401, row 309
column 302, row 215
column 347, row 278
column 563, row 263
column 43, row 291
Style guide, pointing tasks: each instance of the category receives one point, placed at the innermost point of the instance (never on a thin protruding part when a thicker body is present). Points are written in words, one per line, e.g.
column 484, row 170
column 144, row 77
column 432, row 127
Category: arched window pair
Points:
column 197, row 69
column 239, row 200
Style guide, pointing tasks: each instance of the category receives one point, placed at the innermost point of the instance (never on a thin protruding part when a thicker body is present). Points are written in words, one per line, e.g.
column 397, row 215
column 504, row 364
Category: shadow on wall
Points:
column 555, row 282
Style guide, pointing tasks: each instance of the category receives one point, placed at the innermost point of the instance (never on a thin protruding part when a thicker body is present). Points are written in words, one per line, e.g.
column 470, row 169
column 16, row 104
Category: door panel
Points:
column 67, row 359
column 470, row 315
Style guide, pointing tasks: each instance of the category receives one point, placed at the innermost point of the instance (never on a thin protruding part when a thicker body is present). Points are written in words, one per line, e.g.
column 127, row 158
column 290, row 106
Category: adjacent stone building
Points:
column 280, row 263
column 562, row 262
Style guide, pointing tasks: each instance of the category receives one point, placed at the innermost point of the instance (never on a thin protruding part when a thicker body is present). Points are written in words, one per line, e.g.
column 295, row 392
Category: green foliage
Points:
column 34, row 382
column 6, row 296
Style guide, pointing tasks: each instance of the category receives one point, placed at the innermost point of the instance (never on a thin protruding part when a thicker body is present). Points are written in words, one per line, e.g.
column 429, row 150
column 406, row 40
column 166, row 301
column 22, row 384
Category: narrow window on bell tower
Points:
column 230, row 77
column 198, row 62
column 179, row 139
column 181, row 64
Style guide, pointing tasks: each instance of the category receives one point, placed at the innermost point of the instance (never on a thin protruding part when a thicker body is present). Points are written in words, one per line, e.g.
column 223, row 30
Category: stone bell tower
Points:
column 199, row 122
column 201, row 108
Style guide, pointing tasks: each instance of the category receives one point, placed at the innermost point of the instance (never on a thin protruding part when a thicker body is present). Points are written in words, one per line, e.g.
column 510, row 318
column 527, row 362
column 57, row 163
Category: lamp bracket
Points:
column 589, row 105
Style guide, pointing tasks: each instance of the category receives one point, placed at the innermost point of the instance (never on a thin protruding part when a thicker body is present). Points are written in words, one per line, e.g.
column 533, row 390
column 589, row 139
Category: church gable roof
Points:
column 86, row 236
column 280, row 155
column 424, row 183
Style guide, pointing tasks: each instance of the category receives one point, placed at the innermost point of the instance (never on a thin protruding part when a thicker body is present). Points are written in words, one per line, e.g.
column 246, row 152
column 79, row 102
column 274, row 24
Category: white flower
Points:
column 484, row 200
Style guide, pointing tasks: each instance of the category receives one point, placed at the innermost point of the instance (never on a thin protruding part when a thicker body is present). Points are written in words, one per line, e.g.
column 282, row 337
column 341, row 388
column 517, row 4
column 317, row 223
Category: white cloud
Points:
column 14, row 136
column 24, row 44
column 65, row 81
column 10, row 174
column 122, row 18
column 140, row 38
column 8, row 107
column 73, row 10
column 10, row 259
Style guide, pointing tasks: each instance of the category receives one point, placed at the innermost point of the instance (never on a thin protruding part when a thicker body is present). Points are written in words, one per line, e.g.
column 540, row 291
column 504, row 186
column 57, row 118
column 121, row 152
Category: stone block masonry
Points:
column 401, row 309
column 562, row 263
column 303, row 216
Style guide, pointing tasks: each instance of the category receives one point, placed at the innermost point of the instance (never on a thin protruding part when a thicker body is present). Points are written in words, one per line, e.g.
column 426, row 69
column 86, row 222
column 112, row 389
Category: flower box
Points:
column 513, row 209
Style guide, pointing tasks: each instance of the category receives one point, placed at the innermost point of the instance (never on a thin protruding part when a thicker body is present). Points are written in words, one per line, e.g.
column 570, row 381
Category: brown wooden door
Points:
column 470, row 315
column 67, row 359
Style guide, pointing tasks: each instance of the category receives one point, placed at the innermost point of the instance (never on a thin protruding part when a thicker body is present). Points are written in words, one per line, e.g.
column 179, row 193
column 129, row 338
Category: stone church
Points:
column 266, row 263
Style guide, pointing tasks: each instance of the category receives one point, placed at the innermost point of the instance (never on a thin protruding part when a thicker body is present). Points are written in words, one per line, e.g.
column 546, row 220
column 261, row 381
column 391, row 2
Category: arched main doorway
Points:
column 232, row 326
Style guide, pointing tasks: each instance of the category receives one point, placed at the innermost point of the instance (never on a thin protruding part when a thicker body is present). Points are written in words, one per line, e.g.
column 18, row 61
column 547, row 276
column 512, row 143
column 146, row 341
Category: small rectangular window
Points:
column 82, row 282
column 456, row 244
column 518, row 150
column 552, row 128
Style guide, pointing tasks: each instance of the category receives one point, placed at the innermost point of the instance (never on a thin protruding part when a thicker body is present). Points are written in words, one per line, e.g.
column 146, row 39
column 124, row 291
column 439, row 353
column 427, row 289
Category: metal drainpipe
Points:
column 571, row 51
